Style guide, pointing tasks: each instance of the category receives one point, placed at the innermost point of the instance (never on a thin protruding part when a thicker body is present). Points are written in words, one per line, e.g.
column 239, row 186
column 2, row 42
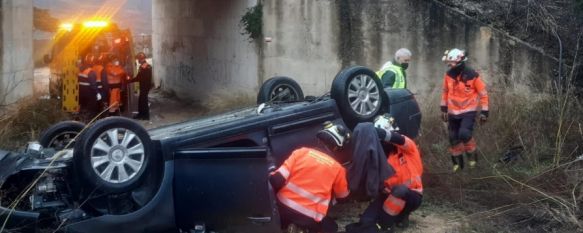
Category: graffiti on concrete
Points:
column 185, row 72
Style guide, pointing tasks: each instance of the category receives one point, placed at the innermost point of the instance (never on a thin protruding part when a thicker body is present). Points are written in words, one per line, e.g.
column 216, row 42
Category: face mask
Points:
column 404, row 66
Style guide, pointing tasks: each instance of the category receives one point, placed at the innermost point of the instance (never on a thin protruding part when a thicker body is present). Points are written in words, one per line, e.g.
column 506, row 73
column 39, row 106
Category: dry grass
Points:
column 25, row 120
column 539, row 189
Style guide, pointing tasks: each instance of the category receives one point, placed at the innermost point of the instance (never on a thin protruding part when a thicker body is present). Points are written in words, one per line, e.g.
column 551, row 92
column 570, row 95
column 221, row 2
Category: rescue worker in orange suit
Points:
column 464, row 95
column 403, row 191
column 144, row 77
column 89, row 95
column 102, row 84
column 308, row 182
column 115, row 78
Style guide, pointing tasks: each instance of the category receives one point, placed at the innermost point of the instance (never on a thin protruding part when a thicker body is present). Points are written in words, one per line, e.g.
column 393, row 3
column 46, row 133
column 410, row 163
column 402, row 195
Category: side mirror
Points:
column 47, row 59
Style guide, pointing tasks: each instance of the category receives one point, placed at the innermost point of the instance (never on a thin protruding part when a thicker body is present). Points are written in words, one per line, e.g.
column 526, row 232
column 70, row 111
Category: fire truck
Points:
column 72, row 43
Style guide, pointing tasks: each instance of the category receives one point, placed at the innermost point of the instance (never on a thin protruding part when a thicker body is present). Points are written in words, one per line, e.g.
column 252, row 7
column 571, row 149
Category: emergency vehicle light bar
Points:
column 95, row 24
column 66, row 26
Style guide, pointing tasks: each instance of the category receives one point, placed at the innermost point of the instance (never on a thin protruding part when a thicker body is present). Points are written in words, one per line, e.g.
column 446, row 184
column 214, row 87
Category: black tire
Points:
column 110, row 157
column 370, row 100
column 271, row 88
column 60, row 134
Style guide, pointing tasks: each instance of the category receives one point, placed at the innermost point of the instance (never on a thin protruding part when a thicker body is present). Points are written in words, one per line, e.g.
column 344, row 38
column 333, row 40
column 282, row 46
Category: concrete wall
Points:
column 16, row 65
column 305, row 42
column 200, row 53
column 312, row 40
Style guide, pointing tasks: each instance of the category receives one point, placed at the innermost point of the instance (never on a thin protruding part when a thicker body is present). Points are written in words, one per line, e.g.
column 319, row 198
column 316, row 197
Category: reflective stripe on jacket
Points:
column 311, row 178
column 83, row 77
column 399, row 76
column 464, row 93
column 406, row 161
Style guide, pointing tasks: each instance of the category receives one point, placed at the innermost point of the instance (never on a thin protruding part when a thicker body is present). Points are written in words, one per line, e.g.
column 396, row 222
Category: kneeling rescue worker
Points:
column 403, row 191
column 309, row 180
column 464, row 94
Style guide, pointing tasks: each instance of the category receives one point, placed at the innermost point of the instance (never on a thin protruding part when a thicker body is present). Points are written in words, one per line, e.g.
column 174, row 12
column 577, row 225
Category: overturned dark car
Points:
column 204, row 175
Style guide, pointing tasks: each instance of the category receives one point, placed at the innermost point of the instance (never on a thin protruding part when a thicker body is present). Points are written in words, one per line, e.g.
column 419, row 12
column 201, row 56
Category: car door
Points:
column 224, row 189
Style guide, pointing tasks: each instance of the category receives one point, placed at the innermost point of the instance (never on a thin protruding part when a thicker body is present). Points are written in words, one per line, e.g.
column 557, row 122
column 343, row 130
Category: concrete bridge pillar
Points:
column 200, row 53
column 16, row 65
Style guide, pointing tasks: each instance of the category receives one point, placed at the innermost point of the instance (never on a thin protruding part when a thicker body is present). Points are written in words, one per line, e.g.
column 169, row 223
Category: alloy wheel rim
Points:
column 117, row 155
column 363, row 95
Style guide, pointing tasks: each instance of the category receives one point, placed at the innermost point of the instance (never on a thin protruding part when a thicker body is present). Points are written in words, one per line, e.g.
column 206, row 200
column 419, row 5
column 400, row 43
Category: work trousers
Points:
column 374, row 213
column 143, row 107
column 289, row 216
column 88, row 103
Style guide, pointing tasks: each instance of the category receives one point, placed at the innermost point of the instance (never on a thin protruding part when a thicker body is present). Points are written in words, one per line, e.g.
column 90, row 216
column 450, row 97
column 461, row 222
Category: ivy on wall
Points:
column 252, row 22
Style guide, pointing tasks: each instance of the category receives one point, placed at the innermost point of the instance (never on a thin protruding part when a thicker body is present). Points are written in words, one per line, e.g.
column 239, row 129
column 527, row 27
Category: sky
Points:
column 133, row 14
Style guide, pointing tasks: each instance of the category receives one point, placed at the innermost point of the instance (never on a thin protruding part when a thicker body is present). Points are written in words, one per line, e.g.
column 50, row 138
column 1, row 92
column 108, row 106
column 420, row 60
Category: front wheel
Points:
column 280, row 89
column 114, row 155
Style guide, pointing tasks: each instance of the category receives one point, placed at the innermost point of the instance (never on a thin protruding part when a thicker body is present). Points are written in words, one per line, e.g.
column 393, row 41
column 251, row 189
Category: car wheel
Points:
column 280, row 89
column 114, row 155
column 359, row 95
column 59, row 135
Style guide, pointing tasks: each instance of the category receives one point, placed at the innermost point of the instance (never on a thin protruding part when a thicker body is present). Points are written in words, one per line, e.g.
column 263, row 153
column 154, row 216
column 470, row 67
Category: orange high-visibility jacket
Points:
column 311, row 178
column 83, row 77
column 98, row 70
column 406, row 161
column 464, row 93
column 115, row 75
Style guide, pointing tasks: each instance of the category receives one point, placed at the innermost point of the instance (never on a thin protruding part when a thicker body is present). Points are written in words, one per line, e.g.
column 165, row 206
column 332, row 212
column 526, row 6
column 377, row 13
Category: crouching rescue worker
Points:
column 403, row 191
column 464, row 94
column 89, row 95
column 308, row 182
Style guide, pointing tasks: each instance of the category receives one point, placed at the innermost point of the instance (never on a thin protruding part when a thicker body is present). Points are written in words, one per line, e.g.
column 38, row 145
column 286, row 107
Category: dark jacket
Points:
column 369, row 167
column 144, row 77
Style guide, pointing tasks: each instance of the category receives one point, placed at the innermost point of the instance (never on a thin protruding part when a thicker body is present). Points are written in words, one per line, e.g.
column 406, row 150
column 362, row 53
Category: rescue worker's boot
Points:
column 292, row 228
column 404, row 223
column 472, row 159
column 458, row 162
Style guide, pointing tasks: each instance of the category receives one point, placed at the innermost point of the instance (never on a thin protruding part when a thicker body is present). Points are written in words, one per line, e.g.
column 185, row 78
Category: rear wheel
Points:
column 359, row 95
column 61, row 135
column 280, row 89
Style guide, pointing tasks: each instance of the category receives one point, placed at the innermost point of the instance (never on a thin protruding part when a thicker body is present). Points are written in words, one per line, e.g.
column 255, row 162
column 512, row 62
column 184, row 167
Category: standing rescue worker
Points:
column 392, row 73
column 101, row 80
column 144, row 77
column 89, row 95
column 116, row 76
column 404, row 190
column 464, row 94
column 309, row 180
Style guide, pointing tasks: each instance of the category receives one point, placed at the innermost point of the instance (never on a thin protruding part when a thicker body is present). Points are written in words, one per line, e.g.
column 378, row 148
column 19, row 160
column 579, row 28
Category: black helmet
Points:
column 333, row 135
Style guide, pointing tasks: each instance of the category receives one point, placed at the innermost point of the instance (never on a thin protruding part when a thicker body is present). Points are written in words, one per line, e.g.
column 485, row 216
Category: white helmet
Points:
column 454, row 55
column 385, row 122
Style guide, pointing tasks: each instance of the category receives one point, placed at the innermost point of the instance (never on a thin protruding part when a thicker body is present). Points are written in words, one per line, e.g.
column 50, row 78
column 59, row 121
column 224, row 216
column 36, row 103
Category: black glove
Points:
column 483, row 117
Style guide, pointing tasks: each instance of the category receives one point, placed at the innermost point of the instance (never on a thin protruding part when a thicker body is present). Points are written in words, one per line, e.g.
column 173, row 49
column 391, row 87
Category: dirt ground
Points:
column 428, row 218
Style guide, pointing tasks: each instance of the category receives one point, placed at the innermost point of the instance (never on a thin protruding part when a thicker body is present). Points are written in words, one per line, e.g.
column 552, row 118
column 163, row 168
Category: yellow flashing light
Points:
column 95, row 24
column 66, row 26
